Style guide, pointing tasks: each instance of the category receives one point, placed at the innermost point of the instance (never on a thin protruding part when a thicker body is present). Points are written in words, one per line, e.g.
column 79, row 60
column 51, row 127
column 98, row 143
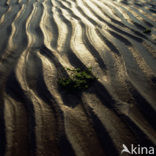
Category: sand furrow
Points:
column 6, row 28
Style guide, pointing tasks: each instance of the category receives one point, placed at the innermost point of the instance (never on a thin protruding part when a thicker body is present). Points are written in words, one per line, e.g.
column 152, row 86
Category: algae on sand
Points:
column 79, row 80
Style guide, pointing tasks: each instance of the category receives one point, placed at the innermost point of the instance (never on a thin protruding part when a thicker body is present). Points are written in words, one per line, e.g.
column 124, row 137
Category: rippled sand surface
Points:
column 39, row 39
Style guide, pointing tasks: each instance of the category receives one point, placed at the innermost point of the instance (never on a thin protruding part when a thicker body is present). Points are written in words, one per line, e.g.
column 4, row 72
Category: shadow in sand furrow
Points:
column 121, row 38
column 148, row 23
column 130, row 14
column 118, row 14
column 125, row 25
column 125, row 33
column 115, row 10
column 143, row 15
column 91, row 48
column 152, row 10
column 139, row 26
column 69, row 11
column 67, row 47
column 117, row 22
column 140, row 34
column 110, row 25
column 33, row 27
column 69, row 28
column 143, row 105
column 133, row 66
column 4, row 45
column 62, row 6
column 134, row 13
column 86, row 41
column 125, row 2
column 62, row 141
column 42, row 91
column 63, row 18
column 2, row 128
column 138, row 5
column 153, row 6
column 68, row 2
column 54, row 27
column 52, row 58
column 129, row 26
column 37, row 83
column 141, row 137
column 14, row 90
column 103, row 135
column 74, row 60
column 71, row 56
column 87, row 17
column 94, row 12
column 103, row 94
column 65, row 146
column 6, row 28
column 108, row 43
column 147, row 56
column 20, row 38
column 154, row 80
column 113, row 26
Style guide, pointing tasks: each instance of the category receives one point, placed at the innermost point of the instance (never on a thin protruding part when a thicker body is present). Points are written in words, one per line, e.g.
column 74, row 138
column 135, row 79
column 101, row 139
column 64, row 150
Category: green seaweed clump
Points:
column 79, row 80
column 147, row 31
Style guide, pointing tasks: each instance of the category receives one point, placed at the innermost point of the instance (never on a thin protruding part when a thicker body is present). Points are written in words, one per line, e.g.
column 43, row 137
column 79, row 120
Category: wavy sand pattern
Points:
column 39, row 39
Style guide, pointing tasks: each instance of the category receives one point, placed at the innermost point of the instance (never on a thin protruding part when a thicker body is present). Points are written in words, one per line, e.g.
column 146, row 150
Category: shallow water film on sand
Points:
column 45, row 110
